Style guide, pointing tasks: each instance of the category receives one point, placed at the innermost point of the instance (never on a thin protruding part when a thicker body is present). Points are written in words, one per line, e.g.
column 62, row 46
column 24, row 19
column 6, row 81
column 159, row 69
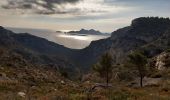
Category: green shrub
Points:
column 4, row 88
column 168, row 50
column 119, row 95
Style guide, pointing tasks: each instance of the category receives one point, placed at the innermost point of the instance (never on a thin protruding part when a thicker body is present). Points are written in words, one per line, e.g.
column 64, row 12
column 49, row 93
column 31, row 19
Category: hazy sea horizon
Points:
column 67, row 40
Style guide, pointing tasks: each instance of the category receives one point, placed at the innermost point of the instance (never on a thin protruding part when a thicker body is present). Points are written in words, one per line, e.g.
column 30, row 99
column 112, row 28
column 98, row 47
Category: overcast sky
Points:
column 103, row 15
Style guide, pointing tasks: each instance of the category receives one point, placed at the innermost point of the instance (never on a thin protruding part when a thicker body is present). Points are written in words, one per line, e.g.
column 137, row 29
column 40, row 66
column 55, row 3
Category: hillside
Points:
column 142, row 31
column 34, row 68
column 35, row 50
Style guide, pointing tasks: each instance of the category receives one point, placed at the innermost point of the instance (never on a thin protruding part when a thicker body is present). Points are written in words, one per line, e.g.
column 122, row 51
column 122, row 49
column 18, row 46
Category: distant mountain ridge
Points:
column 88, row 32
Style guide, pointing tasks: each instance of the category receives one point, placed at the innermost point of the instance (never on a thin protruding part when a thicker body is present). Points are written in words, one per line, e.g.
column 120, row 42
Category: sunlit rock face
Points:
column 160, row 64
column 161, row 61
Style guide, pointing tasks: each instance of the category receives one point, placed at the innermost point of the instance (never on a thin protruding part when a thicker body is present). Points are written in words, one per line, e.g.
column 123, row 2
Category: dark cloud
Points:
column 48, row 5
column 60, row 1
column 17, row 4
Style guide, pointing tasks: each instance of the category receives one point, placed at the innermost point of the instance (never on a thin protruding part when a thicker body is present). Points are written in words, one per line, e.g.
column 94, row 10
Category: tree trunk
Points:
column 107, row 79
column 141, row 81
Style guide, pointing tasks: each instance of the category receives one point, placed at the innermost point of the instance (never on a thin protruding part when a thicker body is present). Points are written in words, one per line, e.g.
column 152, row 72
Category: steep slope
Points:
column 35, row 50
column 142, row 31
column 158, row 46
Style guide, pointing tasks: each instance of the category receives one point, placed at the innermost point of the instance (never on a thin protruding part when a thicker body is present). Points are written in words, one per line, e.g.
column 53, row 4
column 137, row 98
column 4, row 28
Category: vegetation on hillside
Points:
column 24, row 76
column 139, row 61
column 104, row 67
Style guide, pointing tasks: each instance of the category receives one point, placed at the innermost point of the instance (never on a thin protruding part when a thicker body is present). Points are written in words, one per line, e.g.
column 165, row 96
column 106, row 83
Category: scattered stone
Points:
column 62, row 82
column 55, row 89
column 87, row 82
column 22, row 94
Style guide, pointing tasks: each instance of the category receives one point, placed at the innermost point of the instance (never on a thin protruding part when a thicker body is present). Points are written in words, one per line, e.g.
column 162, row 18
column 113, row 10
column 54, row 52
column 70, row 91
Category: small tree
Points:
column 139, row 61
column 104, row 67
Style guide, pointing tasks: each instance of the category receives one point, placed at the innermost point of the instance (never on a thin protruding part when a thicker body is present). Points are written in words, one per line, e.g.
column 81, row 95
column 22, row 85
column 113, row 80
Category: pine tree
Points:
column 139, row 61
column 104, row 67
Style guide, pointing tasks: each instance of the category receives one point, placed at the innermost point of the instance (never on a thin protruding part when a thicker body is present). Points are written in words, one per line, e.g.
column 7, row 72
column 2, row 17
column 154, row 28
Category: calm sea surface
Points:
column 70, row 41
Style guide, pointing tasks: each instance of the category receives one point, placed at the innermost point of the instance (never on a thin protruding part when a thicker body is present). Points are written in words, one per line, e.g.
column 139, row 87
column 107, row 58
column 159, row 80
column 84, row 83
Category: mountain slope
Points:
column 35, row 50
column 158, row 46
column 142, row 31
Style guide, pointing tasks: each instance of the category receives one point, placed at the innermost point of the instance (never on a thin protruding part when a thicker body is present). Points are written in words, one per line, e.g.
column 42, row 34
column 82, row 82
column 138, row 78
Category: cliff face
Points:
column 160, row 64
column 142, row 32
column 161, row 61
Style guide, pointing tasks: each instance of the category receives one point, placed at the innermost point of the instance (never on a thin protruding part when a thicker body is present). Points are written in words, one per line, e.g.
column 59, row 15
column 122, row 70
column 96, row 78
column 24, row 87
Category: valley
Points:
column 34, row 68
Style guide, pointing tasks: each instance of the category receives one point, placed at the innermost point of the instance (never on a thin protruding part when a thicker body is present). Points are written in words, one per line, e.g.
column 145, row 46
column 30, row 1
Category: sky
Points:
column 103, row 15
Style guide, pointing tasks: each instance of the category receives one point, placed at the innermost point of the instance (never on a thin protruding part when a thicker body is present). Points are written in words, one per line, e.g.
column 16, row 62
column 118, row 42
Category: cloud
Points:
column 36, row 6
column 77, row 7
column 55, row 7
